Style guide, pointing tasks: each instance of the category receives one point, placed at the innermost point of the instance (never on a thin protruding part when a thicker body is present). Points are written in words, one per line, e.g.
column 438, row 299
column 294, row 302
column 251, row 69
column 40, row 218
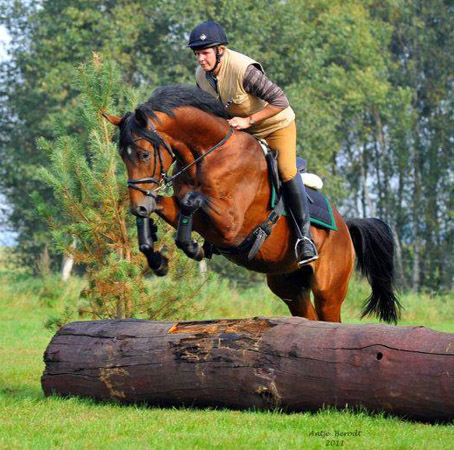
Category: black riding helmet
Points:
column 206, row 35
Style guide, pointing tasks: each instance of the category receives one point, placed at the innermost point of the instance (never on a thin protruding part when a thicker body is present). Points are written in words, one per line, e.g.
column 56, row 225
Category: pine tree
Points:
column 88, row 181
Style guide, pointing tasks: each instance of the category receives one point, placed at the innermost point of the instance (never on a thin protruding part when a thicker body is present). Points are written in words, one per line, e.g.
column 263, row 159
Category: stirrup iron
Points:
column 299, row 257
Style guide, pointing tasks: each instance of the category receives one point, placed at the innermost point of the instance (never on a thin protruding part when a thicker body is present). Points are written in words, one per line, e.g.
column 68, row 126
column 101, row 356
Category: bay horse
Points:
column 222, row 175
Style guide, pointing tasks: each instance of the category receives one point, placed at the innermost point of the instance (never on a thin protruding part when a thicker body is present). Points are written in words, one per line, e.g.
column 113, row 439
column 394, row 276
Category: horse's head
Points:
column 147, row 157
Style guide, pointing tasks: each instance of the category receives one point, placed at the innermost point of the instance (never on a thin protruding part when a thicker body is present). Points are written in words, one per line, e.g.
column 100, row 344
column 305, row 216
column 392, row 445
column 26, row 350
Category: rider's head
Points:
column 208, row 41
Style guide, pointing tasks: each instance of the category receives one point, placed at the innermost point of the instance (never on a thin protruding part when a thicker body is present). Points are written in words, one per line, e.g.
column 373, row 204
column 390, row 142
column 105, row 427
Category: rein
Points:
column 165, row 180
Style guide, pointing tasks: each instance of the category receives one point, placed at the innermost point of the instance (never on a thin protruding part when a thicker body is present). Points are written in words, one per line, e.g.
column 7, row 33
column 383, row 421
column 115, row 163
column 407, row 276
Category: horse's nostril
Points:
column 140, row 211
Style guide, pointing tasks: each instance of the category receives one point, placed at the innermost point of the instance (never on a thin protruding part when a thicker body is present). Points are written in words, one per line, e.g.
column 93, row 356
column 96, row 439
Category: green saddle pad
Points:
column 320, row 209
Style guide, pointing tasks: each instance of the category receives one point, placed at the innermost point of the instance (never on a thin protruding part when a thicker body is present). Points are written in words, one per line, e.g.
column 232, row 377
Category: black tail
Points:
column 374, row 246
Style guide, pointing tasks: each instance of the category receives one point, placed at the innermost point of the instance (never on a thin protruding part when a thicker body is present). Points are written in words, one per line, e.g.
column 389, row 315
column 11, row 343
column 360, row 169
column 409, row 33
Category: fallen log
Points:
column 288, row 363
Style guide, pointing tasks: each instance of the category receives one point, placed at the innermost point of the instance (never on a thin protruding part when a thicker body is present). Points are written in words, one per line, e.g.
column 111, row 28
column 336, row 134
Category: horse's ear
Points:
column 114, row 120
column 141, row 118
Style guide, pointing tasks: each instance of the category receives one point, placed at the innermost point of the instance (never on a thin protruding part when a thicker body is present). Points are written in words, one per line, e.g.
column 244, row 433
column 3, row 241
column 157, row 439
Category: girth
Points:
column 252, row 244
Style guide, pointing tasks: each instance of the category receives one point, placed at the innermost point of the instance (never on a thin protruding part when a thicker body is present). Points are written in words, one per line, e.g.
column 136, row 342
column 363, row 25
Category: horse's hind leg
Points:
column 302, row 306
column 294, row 289
column 330, row 290
column 328, row 303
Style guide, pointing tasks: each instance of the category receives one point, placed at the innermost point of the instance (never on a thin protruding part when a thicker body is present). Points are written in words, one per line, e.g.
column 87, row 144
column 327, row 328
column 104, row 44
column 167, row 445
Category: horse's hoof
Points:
column 200, row 254
column 163, row 269
column 158, row 263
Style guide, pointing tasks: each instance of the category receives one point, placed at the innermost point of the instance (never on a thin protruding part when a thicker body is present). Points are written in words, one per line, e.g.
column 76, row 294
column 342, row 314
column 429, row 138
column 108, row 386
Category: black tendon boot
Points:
column 296, row 202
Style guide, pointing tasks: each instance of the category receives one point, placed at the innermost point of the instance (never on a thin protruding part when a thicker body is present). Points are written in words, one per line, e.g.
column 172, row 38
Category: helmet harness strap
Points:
column 218, row 59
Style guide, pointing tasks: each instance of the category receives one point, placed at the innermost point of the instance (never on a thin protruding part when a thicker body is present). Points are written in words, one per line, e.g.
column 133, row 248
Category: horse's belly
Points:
column 266, row 262
column 267, row 267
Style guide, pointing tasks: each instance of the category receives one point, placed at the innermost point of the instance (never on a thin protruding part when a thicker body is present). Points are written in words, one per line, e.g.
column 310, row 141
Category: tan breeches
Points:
column 284, row 142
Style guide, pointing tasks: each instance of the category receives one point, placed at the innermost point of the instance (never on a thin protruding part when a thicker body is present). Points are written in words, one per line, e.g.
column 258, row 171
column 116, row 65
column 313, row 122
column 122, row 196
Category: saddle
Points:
column 309, row 179
column 320, row 210
column 319, row 207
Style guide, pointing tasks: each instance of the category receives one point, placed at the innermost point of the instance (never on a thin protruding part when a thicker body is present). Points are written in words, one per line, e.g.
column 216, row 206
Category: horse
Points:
column 220, row 181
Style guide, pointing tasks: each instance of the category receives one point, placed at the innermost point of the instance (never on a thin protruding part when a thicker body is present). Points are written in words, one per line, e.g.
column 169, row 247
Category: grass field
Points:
column 29, row 420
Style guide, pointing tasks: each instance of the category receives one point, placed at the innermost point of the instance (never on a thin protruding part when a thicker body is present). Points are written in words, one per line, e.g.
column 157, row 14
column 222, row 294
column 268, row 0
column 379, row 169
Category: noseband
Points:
column 165, row 180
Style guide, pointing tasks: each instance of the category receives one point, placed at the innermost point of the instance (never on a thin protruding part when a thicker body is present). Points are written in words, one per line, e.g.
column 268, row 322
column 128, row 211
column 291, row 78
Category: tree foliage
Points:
column 371, row 83
column 89, row 215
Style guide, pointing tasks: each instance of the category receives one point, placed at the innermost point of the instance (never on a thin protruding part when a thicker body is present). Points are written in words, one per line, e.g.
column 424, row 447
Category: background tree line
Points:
column 371, row 82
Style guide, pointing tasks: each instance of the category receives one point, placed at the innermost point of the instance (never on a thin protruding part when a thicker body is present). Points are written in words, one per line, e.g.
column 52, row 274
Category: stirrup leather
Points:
column 299, row 257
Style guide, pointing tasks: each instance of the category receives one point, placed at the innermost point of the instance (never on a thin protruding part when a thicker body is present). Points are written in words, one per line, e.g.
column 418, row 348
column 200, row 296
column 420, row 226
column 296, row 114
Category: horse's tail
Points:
column 374, row 245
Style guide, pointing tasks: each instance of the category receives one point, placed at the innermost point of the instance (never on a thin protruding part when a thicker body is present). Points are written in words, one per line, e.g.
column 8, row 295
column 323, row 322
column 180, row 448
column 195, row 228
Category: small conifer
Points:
column 88, row 181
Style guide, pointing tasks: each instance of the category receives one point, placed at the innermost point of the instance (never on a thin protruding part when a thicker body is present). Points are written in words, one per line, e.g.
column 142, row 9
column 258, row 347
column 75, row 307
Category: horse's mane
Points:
column 165, row 99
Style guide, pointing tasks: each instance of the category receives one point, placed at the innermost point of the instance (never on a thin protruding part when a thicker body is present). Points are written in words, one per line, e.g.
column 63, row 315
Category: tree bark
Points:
column 383, row 156
column 288, row 363
column 67, row 263
column 400, row 265
column 43, row 264
column 365, row 199
column 417, row 207
column 203, row 268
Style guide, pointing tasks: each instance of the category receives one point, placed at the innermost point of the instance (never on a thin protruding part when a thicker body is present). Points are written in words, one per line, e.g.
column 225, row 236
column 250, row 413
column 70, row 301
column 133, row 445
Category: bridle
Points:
column 132, row 184
column 166, row 180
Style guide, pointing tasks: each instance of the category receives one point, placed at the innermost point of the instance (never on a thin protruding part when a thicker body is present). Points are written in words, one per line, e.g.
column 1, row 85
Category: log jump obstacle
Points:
column 264, row 363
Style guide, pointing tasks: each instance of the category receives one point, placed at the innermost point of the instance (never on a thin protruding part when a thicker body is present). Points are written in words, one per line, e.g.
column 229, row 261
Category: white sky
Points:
column 6, row 237
column 4, row 40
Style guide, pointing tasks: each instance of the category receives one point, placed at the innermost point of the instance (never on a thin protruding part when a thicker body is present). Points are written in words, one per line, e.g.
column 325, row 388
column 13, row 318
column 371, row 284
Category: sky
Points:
column 6, row 237
column 4, row 40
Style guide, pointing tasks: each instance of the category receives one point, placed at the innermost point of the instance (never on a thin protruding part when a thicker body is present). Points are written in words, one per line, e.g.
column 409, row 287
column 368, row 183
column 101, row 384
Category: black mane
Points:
column 165, row 99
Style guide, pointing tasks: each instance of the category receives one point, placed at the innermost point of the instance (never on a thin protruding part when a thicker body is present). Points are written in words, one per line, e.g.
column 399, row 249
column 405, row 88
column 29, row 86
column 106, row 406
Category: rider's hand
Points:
column 239, row 123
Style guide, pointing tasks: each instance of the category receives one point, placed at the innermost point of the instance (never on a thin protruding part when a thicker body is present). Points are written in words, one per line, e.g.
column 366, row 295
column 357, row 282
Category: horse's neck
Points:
column 192, row 133
column 196, row 131
column 232, row 178
column 237, row 157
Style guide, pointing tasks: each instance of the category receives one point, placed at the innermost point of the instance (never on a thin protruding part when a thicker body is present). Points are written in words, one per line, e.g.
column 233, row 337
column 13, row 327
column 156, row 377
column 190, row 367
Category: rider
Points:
column 259, row 106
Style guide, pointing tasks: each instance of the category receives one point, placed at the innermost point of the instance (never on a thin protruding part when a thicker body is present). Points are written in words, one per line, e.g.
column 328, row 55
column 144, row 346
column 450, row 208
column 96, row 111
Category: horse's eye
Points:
column 145, row 156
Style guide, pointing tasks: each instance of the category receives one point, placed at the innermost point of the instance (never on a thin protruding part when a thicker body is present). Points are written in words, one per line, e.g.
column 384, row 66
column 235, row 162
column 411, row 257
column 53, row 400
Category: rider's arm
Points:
column 256, row 83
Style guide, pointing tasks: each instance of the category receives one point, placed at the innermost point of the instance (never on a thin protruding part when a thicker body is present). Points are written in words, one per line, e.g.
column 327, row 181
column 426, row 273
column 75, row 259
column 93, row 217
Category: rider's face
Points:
column 206, row 58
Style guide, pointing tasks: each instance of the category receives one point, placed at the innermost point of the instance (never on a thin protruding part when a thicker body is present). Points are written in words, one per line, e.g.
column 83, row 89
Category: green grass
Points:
column 29, row 420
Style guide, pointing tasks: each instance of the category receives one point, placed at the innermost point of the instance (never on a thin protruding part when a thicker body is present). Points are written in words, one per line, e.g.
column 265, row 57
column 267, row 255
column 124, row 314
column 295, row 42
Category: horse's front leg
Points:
column 146, row 231
column 189, row 204
column 180, row 216
column 168, row 210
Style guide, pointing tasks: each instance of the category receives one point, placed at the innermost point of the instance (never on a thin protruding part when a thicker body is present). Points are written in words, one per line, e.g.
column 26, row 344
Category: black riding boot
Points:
column 296, row 202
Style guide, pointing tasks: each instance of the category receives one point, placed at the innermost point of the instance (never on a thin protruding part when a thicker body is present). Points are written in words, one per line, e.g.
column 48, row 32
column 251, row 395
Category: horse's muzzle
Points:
column 144, row 209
